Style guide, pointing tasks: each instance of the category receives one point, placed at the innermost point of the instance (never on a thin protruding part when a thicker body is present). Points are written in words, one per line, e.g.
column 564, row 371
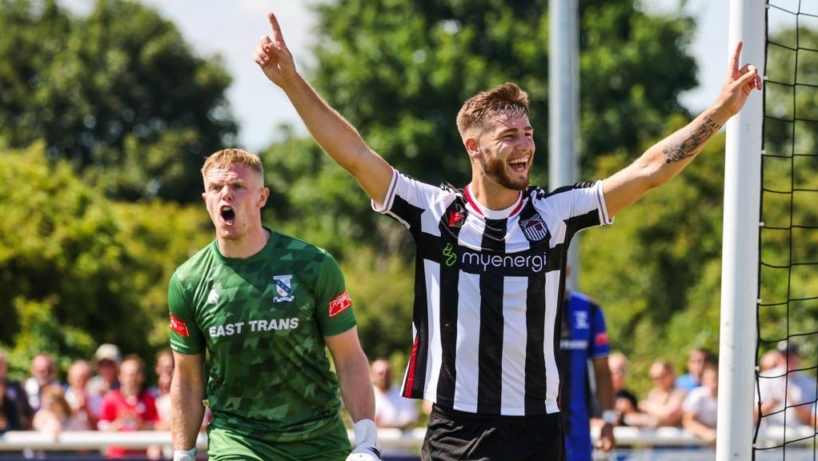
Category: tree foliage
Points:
column 76, row 269
column 657, row 271
column 117, row 93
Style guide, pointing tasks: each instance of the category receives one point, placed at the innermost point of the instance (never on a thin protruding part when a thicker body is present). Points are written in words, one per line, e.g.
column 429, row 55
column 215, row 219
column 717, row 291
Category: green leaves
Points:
column 77, row 269
column 96, row 88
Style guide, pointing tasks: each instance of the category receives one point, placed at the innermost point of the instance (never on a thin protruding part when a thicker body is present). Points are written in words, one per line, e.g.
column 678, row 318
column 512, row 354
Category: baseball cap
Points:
column 108, row 352
column 787, row 347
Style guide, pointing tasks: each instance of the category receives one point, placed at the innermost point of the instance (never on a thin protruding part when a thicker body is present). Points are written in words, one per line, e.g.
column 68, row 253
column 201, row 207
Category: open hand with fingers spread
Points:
column 273, row 56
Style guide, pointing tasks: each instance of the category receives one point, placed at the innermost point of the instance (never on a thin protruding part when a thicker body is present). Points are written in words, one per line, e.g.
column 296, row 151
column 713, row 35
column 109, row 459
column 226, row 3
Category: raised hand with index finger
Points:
column 273, row 56
column 738, row 85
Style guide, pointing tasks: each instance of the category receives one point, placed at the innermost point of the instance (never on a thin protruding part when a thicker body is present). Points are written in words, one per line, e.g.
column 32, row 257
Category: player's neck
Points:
column 493, row 196
column 245, row 246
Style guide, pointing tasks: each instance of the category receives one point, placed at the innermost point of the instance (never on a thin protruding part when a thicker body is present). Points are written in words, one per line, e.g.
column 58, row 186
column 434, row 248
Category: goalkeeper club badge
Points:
column 284, row 288
column 339, row 304
column 534, row 228
column 177, row 325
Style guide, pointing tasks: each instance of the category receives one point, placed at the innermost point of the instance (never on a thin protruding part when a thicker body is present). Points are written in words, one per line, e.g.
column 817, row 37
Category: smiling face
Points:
column 234, row 195
column 498, row 136
column 506, row 151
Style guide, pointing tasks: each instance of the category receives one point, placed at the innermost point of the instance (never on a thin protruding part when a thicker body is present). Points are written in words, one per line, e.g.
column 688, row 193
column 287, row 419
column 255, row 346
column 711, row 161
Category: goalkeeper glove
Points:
column 366, row 442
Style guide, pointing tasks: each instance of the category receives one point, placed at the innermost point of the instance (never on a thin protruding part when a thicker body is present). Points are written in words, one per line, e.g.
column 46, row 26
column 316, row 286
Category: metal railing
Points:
column 410, row 439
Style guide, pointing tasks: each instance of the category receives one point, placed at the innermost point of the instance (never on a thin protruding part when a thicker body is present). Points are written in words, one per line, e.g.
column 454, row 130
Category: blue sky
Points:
column 232, row 29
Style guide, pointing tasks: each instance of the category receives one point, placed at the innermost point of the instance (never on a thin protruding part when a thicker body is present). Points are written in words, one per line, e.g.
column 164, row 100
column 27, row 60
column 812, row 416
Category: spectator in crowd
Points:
column 162, row 366
column 54, row 415
column 129, row 408
column 584, row 340
column 771, row 359
column 625, row 401
column 663, row 404
column 701, row 406
column 162, row 393
column 787, row 396
column 696, row 361
column 84, row 406
column 106, row 359
column 391, row 409
column 15, row 395
column 9, row 418
column 43, row 373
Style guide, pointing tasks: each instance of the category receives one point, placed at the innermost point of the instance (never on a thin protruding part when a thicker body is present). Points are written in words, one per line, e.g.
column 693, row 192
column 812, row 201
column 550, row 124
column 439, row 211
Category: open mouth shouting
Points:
column 227, row 214
column 519, row 164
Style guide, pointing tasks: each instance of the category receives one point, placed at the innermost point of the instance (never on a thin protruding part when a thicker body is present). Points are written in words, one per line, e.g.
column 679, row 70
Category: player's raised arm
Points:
column 336, row 136
column 668, row 157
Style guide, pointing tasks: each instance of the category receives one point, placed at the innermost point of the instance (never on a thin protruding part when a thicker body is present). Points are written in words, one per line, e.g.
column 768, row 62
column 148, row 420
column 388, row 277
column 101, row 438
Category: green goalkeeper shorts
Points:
column 330, row 445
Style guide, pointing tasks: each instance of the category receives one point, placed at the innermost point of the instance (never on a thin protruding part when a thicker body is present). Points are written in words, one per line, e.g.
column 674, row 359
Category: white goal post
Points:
column 739, row 283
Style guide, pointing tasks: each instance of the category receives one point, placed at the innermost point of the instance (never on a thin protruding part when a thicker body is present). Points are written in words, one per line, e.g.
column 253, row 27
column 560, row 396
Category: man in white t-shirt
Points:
column 785, row 394
column 391, row 409
column 701, row 406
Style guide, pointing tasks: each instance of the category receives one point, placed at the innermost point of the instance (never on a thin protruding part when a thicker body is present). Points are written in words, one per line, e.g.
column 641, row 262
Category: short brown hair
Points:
column 233, row 156
column 507, row 98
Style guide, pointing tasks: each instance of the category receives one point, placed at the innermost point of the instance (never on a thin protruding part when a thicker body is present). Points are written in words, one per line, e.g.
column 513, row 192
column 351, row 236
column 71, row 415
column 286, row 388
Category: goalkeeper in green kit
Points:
column 262, row 307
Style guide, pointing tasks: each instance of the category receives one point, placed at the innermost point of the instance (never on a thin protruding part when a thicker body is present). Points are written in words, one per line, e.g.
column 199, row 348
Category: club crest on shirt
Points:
column 534, row 228
column 581, row 320
column 284, row 288
column 213, row 296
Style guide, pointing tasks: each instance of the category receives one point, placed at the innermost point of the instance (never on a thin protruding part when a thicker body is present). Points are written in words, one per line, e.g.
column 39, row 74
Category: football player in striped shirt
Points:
column 491, row 257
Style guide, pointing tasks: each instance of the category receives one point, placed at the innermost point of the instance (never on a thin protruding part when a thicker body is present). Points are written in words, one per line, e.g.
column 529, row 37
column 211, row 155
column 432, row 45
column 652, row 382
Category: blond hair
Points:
column 233, row 156
column 507, row 99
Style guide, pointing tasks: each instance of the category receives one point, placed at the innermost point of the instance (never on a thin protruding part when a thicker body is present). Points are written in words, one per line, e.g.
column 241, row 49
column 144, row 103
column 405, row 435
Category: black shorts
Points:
column 458, row 436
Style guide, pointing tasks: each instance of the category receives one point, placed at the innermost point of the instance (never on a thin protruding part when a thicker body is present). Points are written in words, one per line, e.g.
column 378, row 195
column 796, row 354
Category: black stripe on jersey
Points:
column 580, row 222
column 449, row 277
column 490, row 353
column 415, row 377
column 535, row 374
column 580, row 185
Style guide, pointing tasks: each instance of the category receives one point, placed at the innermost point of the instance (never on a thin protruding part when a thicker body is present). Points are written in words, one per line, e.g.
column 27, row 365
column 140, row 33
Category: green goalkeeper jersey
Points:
column 262, row 322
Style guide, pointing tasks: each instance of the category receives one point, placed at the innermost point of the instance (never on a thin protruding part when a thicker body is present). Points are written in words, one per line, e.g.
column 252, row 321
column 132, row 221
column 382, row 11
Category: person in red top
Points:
column 129, row 408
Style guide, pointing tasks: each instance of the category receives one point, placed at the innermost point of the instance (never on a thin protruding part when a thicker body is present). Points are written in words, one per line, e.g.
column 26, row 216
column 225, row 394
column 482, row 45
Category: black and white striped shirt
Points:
column 488, row 291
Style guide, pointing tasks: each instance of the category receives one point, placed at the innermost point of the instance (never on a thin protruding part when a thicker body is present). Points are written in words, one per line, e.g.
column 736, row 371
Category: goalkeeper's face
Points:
column 234, row 195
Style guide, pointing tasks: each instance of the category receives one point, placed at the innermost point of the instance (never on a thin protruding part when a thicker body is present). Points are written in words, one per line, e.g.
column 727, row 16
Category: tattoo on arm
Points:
column 685, row 145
